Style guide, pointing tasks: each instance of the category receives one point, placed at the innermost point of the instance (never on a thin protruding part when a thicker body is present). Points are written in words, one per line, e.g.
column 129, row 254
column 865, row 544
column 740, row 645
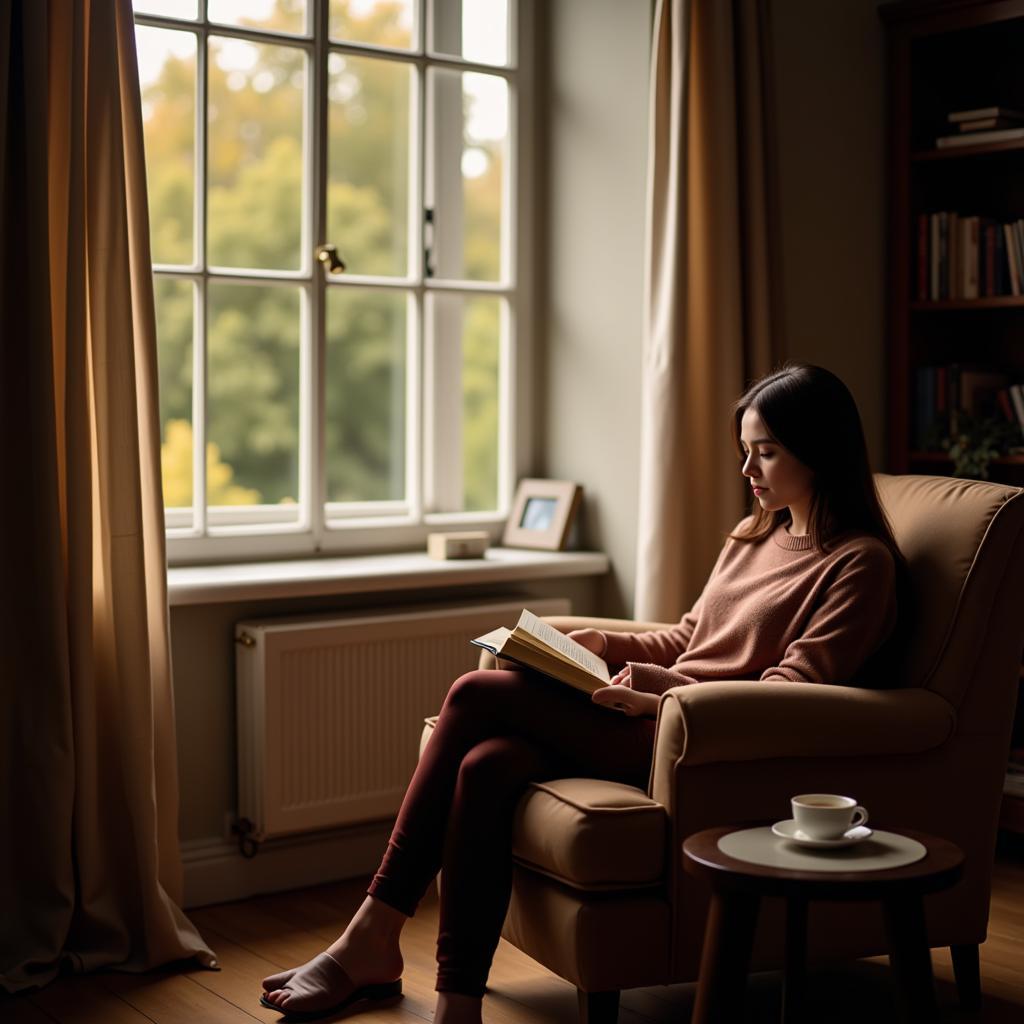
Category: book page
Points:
column 563, row 645
column 493, row 640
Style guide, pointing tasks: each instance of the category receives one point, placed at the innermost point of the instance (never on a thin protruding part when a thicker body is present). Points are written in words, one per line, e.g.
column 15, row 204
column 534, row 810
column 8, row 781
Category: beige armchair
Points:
column 600, row 896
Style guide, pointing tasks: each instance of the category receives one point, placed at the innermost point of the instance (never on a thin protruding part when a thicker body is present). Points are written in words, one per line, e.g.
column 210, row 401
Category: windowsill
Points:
column 414, row 570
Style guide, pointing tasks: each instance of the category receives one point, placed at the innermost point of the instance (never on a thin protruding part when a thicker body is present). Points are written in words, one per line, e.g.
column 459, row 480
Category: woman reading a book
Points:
column 804, row 589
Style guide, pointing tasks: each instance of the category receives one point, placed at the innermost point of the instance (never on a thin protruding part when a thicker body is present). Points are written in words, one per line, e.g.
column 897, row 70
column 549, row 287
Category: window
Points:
column 333, row 228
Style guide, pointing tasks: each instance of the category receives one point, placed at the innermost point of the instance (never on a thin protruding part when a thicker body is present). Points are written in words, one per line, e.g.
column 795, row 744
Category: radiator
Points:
column 330, row 710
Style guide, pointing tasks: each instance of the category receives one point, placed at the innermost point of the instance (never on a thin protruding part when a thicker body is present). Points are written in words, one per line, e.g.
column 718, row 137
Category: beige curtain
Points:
column 90, row 872
column 712, row 319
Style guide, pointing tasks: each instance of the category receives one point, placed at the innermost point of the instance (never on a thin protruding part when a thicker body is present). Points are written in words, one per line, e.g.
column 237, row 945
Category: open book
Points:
column 539, row 646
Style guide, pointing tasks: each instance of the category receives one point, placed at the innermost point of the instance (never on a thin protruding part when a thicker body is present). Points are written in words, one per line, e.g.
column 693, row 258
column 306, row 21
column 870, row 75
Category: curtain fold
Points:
column 90, row 870
column 712, row 319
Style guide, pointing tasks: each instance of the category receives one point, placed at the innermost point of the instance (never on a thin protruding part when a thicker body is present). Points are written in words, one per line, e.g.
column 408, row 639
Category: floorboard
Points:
column 256, row 937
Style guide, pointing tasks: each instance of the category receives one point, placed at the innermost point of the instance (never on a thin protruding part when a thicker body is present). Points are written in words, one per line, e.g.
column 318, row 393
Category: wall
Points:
column 829, row 76
column 595, row 138
column 830, row 82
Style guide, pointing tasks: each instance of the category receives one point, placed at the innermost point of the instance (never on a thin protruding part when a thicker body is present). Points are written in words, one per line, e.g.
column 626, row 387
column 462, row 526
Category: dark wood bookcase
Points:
column 945, row 56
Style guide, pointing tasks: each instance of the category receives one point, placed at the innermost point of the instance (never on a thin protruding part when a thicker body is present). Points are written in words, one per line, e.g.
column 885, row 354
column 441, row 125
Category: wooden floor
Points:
column 258, row 936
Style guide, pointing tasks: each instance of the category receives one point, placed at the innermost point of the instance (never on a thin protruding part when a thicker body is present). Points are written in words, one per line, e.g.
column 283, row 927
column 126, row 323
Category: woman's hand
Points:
column 592, row 639
column 622, row 677
column 630, row 702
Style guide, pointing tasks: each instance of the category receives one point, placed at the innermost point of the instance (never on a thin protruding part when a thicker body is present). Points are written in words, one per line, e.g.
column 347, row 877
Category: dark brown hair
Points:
column 810, row 412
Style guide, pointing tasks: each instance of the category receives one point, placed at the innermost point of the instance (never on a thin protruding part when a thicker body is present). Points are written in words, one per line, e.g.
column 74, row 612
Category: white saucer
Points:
column 788, row 830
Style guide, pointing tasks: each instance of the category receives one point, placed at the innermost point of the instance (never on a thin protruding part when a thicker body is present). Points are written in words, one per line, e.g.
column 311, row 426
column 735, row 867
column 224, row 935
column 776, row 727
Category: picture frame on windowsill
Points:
column 542, row 514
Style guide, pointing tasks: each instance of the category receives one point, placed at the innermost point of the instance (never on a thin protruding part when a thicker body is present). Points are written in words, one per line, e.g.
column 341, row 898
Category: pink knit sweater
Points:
column 778, row 609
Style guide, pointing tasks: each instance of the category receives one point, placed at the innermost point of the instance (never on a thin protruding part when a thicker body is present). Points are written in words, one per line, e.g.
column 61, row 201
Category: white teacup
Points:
column 826, row 815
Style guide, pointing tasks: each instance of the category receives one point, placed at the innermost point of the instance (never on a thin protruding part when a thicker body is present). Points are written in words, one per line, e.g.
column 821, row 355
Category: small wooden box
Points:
column 466, row 544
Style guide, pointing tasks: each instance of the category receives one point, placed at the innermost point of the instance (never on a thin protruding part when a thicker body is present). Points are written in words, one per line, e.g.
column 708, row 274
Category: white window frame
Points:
column 226, row 535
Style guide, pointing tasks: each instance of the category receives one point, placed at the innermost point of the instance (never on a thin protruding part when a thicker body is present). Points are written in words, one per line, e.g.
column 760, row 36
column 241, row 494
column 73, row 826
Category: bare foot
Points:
column 366, row 953
column 456, row 1008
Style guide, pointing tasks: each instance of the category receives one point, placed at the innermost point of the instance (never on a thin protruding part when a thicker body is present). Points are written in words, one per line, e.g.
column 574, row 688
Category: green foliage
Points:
column 978, row 441
column 253, row 385
column 480, row 353
column 366, row 371
column 254, row 220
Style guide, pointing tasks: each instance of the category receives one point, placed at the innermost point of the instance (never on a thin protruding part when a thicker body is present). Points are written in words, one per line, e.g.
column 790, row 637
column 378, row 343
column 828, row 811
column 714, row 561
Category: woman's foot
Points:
column 366, row 954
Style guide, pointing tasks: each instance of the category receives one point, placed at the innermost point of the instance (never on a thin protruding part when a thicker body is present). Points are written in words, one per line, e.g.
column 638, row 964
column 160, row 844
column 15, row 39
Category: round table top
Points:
column 940, row 868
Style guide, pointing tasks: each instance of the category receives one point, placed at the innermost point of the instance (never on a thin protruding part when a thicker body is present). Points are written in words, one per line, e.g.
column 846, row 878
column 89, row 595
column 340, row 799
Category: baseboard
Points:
column 216, row 872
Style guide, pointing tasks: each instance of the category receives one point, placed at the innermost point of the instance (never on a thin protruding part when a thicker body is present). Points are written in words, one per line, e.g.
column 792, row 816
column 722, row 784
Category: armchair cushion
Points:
column 591, row 834
column 588, row 833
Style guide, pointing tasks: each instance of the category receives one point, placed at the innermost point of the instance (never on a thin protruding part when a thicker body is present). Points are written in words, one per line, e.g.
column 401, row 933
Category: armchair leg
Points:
column 967, row 971
column 598, row 1007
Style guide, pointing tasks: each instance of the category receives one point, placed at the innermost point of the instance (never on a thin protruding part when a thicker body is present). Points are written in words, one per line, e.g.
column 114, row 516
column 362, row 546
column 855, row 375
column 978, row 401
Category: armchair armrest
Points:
column 746, row 720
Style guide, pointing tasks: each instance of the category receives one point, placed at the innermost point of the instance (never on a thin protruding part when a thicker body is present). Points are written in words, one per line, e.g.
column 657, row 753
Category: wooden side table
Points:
column 736, row 890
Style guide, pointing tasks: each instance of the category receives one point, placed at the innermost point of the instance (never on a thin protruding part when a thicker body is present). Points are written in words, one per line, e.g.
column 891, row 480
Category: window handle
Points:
column 328, row 256
column 428, row 242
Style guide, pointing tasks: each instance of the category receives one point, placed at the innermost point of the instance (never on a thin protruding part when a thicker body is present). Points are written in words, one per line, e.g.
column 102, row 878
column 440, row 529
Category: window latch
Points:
column 332, row 262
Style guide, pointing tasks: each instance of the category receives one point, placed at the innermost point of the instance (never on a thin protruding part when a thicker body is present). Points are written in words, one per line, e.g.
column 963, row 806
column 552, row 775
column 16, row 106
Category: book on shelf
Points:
column 1013, row 258
column 959, row 116
column 1013, row 785
column 536, row 644
column 965, row 272
column 979, row 138
column 1006, row 405
column 964, row 256
column 979, row 390
column 995, row 274
column 944, row 217
column 923, row 270
column 989, row 124
column 953, row 240
column 943, row 394
column 1017, row 401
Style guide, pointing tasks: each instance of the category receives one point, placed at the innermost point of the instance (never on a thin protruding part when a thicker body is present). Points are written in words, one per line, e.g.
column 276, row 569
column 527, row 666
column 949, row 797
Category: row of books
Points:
column 981, row 125
column 967, row 257
column 944, row 393
column 1014, row 784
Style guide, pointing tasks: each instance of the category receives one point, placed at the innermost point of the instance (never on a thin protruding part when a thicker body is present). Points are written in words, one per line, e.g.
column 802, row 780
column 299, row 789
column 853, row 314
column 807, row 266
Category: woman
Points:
column 805, row 589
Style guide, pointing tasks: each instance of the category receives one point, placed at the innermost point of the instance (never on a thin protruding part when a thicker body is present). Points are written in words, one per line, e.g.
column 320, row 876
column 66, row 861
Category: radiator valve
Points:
column 248, row 847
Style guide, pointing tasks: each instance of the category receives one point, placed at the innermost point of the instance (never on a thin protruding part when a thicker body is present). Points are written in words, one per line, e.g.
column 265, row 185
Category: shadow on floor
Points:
column 857, row 993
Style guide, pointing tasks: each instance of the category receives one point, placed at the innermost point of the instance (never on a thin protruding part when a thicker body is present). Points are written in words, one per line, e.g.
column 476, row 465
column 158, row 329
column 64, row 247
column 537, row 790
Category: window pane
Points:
column 252, row 395
column 366, row 388
column 467, row 336
column 272, row 15
column 469, row 160
column 256, row 155
column 379, row 22
column 169, row 8
column 174, row 312
column 167, row 76
column 368, row 163
column 475, row 30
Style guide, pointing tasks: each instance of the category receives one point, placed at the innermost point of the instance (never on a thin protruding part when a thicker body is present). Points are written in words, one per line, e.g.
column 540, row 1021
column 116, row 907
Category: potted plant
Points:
column 978, row 440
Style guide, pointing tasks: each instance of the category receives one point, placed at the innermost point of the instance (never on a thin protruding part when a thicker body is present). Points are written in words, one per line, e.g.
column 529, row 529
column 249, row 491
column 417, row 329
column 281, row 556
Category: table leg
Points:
column 597, row 1007
column 728, row 940
column 911, row 958
column 794, row 978
column 967, row 971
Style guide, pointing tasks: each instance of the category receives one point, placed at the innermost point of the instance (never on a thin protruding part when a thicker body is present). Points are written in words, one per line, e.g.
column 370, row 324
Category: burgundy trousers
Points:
column 498, row 731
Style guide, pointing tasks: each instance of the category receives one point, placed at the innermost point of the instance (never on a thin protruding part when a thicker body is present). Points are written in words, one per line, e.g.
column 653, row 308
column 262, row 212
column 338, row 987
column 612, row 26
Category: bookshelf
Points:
column 946, row 56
